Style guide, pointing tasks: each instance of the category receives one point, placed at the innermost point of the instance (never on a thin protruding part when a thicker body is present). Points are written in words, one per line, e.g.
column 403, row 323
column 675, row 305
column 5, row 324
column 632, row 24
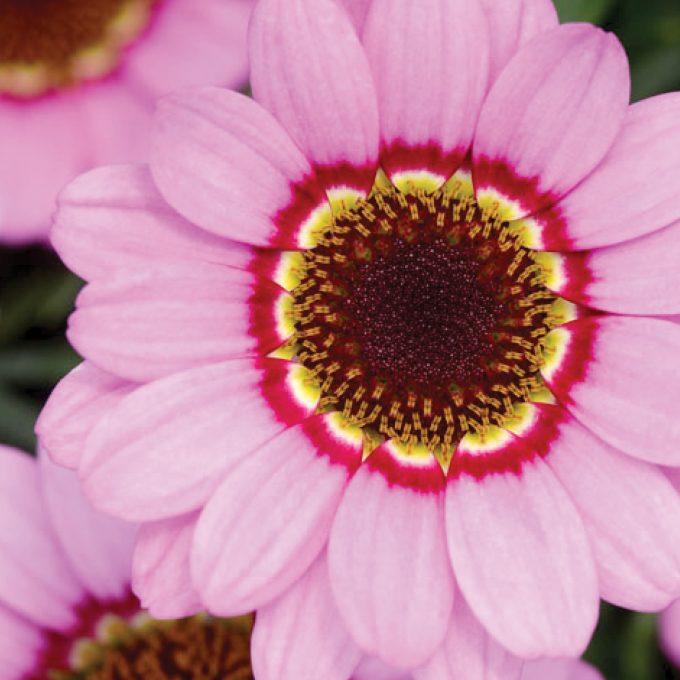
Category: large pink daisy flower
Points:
column 78, row 81
column 383, row 336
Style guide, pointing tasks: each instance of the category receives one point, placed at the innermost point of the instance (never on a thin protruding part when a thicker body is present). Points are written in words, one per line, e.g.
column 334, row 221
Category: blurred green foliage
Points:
column 36, row 294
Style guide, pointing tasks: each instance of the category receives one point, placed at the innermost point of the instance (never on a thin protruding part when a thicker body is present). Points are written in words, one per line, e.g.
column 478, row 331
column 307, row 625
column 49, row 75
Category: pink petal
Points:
column 115, row 120
column 632, row 192
column 78, row 402
column 358, row 11
column 669, row 633
column 35, row 579
column 434, row 114
column 615, row 380
column 113, row 218
column 161, row 576
column 225, row 164
column 301, row 634
column 20, row 645
column 636, row 277
column 192, row 43
column 512, row 24
column 150, row 324
column 98, row 548
column 630, row 511
column 42, row 149
column 164, row 449
column 552, row 115
column 372, row 668
column 268, row 521
column 389, row 570
column 309, row 69
column 560, row 669
column 522, row 560
column 468, row 651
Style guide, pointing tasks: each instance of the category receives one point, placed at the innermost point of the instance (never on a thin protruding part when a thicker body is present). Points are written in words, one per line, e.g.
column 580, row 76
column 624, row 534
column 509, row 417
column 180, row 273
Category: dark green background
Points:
column 37, row 293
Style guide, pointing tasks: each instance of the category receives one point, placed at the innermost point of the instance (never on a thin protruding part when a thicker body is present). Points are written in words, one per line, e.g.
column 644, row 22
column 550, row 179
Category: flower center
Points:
column 47, row 44
column 118, row 642
column 422, row 317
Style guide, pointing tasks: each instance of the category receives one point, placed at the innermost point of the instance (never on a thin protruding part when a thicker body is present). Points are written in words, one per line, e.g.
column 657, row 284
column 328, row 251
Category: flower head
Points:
column 78, row 80
column 356, row 338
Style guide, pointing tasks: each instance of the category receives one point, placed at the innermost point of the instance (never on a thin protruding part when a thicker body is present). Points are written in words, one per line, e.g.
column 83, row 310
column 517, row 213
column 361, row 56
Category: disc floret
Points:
column 422, row 317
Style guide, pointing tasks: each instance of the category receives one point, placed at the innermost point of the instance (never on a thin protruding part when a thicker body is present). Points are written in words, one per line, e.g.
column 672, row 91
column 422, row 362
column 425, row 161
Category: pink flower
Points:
column 78, row 81
column 434, row 396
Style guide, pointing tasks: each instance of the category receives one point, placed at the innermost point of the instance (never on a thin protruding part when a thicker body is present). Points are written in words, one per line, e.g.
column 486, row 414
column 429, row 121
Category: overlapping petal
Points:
column 426, row 123
column 635, row 277
column 248, row 551
column 197, row 136
column 523, row 561
column 468, row 651
column 633, row 190
column 161, row 574
column 396, row 608
column 146, row 325
column 551, row 116
column 309, row 70
column 113, row 219
column 512, row 24
column 615, row 380
column 301, row 633
column 162, row 451
column 80, row 400
column 631, row 513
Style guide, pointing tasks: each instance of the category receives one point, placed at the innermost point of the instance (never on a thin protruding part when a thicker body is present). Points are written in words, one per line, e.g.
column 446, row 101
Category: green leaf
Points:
column 593, row 11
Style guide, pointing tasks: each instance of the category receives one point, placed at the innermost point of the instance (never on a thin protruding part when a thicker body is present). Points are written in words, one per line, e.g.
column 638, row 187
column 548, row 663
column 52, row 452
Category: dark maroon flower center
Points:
column 47, row 43
column 422, row 314
column 116, row 641
column 422, row 317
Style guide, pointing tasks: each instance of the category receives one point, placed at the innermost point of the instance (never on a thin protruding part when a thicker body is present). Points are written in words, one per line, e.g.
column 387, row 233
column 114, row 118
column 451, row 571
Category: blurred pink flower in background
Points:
column 78, row 83
column 309, row 431
column 669, row 633
column 560, row 669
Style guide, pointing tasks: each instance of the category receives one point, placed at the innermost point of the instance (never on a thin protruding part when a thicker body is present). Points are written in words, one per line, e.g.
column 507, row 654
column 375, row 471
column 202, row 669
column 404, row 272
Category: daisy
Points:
column 383, row 336
column 78, row 81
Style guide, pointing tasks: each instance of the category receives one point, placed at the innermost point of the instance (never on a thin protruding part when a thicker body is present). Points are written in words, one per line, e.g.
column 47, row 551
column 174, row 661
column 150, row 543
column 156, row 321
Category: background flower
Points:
column 76, row 93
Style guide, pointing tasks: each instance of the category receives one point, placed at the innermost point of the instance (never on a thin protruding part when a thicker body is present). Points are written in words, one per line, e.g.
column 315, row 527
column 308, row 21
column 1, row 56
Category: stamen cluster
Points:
column 200, row 647
column 421, row 316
